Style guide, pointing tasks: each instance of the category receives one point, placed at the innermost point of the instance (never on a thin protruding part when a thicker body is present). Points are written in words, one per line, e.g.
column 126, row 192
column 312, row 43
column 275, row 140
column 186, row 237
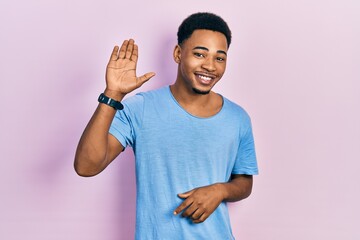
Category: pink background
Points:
column 294, row 65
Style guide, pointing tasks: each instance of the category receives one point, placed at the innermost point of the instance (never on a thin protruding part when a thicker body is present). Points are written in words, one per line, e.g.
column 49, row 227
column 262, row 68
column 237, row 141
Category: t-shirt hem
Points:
column 247, row 172
column 118, row 136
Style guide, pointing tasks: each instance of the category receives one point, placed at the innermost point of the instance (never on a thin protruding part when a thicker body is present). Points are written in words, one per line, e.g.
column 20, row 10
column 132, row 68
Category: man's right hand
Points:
column 121, row 71
column 97, row 148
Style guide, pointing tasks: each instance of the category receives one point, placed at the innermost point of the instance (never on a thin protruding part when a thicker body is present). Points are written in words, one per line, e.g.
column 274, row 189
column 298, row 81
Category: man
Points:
column 194, row 148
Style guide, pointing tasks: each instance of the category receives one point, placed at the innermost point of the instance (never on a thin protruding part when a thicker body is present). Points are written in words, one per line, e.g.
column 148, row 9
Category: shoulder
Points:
column 151, row 94
column 141, row 97
column 147, row 102
column 236, row 110
column 240, row 116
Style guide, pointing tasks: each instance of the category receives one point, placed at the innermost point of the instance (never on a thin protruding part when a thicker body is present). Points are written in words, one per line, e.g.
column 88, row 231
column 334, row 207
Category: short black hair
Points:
column 203, row 20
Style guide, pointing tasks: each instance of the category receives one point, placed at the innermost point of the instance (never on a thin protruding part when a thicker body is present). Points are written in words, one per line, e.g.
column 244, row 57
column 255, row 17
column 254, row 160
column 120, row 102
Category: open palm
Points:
column 121, row 69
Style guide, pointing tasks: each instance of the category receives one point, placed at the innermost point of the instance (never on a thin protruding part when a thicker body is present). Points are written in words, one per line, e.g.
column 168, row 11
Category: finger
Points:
column 186, row 194
column 129, row 48
column 123, row 49
column 114, row 55
column 182, row 206
column 135, row 53
column 201, row 219
column 190, row 211
column 144, row 78
column 197, row 214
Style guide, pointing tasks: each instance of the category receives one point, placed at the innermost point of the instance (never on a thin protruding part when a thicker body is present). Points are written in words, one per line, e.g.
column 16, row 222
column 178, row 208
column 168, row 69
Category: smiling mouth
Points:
column 204, row 78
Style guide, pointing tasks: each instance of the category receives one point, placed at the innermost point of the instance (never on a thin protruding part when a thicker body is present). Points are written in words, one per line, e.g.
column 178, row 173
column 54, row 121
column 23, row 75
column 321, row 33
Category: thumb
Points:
column 144, row 78
column 185, row 194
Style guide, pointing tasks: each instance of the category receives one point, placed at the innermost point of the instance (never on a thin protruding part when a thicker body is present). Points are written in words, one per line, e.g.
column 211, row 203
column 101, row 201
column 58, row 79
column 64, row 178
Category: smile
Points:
column 204, row 79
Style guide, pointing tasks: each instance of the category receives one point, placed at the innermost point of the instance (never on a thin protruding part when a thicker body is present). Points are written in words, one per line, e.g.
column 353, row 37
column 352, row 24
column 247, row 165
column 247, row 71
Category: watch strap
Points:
column 111, row 102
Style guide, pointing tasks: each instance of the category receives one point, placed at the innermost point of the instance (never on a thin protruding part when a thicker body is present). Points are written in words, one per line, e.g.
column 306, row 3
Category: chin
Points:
column 202, row 92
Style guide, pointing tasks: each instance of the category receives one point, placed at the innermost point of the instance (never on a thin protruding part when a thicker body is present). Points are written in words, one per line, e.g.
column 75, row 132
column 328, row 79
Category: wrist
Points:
column 116, row 95
column 110, row 102
column 221, row 187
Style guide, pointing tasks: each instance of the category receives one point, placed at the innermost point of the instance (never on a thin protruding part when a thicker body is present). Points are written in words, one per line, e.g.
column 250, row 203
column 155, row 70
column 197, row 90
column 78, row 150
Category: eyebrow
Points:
column 206, row 49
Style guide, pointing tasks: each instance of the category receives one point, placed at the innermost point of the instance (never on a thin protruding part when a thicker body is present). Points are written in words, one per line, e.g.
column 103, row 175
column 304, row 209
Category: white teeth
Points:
column 205, row 78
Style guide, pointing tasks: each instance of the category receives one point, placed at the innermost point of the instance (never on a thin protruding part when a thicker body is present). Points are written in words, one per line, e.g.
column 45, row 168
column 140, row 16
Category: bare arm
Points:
column 238, row 188
column 201, row 202
column 97, row 148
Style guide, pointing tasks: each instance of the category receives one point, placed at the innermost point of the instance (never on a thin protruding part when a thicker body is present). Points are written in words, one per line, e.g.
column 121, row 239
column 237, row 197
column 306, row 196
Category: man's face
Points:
column 202, row 60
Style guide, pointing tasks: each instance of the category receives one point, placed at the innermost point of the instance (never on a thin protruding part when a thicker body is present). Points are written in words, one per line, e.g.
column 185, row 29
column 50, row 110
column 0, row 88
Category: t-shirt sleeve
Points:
column 246, row 162
column 127, row 121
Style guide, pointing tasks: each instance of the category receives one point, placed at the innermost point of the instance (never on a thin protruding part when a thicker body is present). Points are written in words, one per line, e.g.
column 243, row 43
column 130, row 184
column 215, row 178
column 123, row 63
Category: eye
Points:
column 199, row 55
column 220, row 59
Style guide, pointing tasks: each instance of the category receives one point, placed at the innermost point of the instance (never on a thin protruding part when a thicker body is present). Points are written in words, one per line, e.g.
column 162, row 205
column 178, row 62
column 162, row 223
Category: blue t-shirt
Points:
column 176, row 152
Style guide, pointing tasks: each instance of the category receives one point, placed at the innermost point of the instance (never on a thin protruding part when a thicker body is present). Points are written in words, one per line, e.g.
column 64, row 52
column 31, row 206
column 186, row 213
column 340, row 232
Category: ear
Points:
column 177, row 54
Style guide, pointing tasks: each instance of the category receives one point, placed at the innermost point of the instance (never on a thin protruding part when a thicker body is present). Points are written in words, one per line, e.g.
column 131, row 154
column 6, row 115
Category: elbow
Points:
column 84, row 170
column 83, row 173
column 248, row 192
column 243, row 185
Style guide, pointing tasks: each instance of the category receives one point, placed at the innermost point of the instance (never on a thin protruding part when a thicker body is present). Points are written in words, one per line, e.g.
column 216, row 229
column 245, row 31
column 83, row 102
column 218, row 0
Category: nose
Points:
column 209, row 64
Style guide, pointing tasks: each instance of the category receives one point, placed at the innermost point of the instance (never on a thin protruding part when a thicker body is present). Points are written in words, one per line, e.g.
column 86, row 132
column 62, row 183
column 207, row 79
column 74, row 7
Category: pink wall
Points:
column 294, row 65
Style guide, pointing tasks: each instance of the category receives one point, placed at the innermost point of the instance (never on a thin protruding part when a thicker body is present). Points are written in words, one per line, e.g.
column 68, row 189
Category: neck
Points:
column 197, row 104
column 189, row 97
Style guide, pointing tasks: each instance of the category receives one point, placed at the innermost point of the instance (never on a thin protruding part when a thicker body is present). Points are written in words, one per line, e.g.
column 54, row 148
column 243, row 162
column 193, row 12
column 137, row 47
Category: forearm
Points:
column 92, row 152
column 238, row 188
column 201, row 202
column 97, row 148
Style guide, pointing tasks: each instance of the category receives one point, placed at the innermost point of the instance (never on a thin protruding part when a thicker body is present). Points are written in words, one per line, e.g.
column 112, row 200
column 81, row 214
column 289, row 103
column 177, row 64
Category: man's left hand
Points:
column 200, row 202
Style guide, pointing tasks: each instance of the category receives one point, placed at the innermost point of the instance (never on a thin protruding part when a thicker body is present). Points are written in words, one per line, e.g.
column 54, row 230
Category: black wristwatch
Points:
column 111, row 102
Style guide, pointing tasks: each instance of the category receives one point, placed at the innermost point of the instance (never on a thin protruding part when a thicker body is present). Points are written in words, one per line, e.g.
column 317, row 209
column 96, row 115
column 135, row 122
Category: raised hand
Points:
column 121, row 70
column 200, row 203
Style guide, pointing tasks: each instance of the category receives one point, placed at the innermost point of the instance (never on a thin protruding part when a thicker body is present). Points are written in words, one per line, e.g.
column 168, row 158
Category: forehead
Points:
column 207, row 38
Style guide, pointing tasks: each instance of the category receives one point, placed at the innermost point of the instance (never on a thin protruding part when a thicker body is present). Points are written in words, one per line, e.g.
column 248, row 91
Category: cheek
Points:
column 185, row 69
column 221, row 69
column 187, row 66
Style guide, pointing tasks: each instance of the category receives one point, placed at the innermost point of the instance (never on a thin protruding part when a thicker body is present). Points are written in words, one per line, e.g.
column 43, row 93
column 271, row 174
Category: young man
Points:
column 194, row 148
